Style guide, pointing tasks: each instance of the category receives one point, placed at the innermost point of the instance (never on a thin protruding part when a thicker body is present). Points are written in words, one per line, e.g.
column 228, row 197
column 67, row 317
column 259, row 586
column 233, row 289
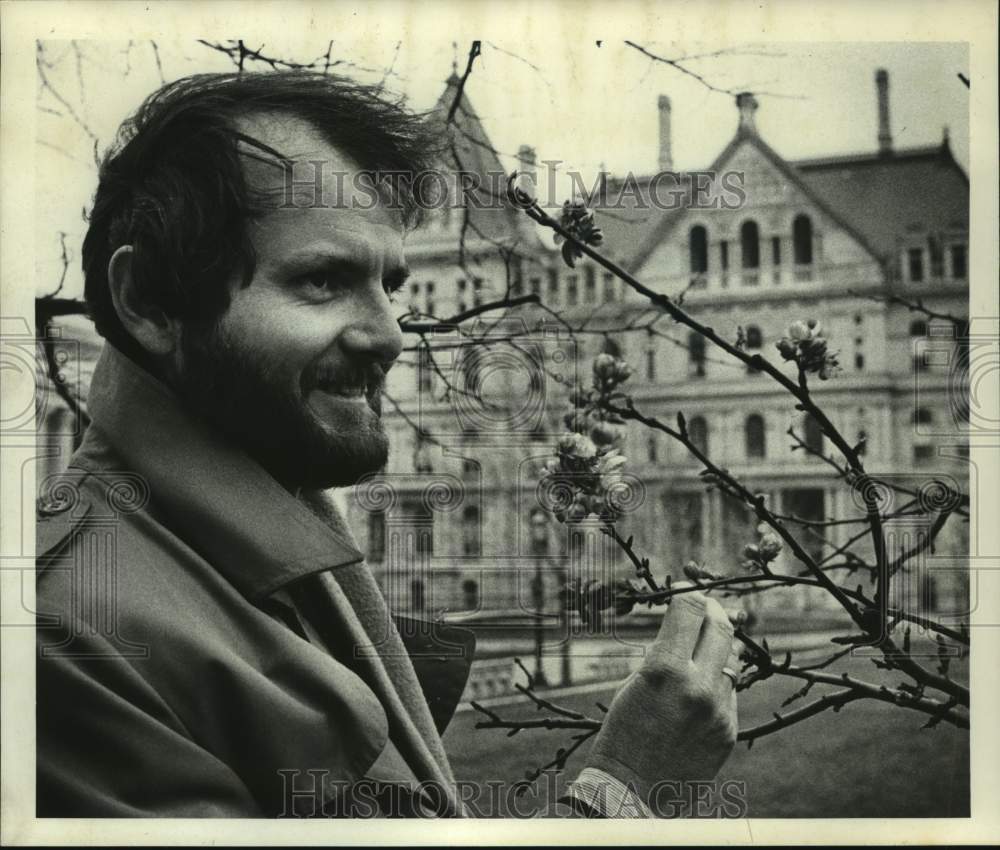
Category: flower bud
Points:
column 605, row 434
column 798, row 331
column 576, row 446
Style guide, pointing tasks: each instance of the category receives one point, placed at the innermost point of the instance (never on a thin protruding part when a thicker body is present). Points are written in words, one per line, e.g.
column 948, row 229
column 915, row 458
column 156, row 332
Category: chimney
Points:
column 747, row 105
column 666, row 161
column 527, row 165
column 884, row 136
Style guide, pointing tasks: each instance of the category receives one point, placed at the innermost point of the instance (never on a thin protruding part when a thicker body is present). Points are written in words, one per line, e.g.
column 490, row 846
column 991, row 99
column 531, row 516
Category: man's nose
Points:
column 373, row 330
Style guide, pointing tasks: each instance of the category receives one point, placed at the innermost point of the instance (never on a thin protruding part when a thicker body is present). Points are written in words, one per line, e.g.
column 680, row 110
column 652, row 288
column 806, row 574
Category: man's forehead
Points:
column 294, row 138
column 309, row 173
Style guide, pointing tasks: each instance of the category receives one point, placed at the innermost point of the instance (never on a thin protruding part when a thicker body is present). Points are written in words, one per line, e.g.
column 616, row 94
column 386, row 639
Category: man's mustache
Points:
column 371, row 376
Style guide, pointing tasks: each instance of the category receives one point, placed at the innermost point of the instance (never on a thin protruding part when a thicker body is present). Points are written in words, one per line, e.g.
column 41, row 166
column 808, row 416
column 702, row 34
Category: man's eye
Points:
column 320, row 280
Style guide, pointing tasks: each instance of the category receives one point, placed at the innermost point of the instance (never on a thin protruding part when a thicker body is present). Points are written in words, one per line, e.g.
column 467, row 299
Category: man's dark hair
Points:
column 173, row 185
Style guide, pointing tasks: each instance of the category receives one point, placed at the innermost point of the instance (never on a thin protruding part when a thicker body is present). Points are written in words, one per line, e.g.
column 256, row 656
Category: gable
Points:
column 748, row 183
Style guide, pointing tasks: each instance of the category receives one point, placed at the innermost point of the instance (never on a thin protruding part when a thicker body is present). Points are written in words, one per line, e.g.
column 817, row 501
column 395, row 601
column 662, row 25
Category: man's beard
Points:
column 266, row 413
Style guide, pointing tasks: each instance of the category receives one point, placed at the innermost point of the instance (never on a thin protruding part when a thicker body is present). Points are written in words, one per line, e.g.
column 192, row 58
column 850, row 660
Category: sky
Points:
column 587, row 104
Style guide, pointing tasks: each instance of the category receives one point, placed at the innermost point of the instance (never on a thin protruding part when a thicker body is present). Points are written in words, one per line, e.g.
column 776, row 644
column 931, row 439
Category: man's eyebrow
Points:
column 342, row 258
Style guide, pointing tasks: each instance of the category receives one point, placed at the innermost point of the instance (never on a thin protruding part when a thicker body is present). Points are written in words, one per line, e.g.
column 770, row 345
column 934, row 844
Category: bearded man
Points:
column 211, row 641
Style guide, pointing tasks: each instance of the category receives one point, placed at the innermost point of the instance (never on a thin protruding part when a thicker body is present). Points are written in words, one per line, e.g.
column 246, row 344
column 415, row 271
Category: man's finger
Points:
column 715, row 643
column 680, row 628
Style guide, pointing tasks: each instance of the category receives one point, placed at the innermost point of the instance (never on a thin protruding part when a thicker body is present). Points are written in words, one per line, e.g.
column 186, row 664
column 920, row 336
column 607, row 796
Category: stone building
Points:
column 755, row 242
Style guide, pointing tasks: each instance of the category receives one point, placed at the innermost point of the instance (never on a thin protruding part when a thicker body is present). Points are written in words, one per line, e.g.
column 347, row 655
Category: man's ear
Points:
column 153, row 329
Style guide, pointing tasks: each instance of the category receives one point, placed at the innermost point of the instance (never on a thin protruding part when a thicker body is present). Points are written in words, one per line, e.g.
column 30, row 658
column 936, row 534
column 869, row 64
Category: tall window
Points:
column 609, row 287
column 429, row 286
column 936, row 251
column 958, row 262
column 756, row 441
column 696, row 355
column 813, row 434
column 652, row 449
column 750, row 244
column 776, row 258
column 553, row 290
column 571, row 291
column 589, row 285
column 698, row 250
column 535, row 283
column 698, row 432
column 724, row 263
column 477, row 291
column 755, row 342
column 807, row 504
column 650, row 357
column 802, row 240
column 470, row 594
column 470, row 530
column 915, row 261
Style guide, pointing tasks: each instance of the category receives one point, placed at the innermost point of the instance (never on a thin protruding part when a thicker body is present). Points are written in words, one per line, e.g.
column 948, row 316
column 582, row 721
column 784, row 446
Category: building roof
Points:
column 876, row 198
column 919, row 189
column 469, row 149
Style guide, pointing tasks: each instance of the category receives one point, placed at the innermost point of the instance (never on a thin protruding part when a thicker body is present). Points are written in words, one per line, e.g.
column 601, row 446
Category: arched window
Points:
column 756, row 446
column 470, row 594
column 698, row 249
column 802, row 239
column 696, row 355
column 698, row 432
column 470, row 530
column 755, row 342
column 750, row 244
column 813, row 434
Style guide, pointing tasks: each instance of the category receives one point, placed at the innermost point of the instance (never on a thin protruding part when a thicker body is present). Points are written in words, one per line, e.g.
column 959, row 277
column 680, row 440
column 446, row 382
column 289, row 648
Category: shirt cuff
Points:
column 602, row 795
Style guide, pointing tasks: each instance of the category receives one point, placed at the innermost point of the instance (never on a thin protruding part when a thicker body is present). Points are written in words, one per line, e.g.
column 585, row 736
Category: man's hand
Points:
column 675, row 717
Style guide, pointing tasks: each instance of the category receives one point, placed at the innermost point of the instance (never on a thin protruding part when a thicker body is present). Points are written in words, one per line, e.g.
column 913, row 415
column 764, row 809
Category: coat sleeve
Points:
column 108, row 746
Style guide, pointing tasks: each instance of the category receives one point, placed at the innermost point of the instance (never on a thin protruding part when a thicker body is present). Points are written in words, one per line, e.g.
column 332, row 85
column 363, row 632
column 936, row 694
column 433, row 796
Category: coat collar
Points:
column 213, row 495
